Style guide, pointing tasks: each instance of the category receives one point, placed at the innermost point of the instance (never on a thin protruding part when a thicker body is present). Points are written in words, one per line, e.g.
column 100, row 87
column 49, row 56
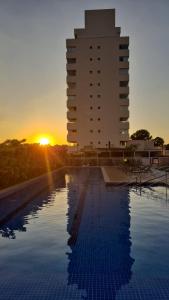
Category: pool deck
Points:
column 115, row 176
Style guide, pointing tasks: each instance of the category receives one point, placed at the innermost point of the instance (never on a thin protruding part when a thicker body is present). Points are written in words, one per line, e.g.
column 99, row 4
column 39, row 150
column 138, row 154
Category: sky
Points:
column 33, row 64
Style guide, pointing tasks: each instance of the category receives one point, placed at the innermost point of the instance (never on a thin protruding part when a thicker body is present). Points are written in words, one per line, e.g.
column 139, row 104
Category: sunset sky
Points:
column 33, row 64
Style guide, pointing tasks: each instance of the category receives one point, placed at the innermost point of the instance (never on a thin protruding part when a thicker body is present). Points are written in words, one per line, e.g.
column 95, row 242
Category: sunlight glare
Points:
column 44, row 141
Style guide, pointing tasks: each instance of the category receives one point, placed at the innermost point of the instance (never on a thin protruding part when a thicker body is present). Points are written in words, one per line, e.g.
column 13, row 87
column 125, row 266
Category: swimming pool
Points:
column 84, row 240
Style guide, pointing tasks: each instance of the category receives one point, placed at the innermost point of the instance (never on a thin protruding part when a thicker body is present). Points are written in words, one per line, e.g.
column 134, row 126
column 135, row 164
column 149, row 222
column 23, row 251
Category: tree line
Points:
column 143, row 134
column 20, row 161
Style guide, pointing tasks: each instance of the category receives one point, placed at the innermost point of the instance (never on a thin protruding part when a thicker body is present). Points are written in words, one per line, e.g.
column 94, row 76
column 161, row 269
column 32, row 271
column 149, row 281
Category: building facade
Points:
column 98, row 83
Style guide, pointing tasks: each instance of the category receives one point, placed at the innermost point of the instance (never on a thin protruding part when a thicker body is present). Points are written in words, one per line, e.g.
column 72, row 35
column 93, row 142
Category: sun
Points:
column 44, row 141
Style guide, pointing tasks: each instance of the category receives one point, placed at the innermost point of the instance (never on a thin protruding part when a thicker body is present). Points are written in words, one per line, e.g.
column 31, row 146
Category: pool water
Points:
column 83, row 240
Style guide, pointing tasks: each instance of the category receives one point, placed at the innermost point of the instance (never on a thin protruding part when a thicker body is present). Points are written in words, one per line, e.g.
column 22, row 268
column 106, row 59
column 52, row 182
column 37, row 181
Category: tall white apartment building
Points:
column 97, row 80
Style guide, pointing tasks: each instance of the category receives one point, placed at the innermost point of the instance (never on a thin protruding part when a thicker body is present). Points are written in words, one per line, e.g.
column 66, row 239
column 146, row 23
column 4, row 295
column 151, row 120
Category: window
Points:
column 123, row 96
column 71, row 72
column 98, row 107
column 123, row 58
column 91, row 107
column 98, row 84
column 91, row 130
column 123, row 47
column 123, row 83
column 98, row 96
column 98, row 71
column 90, row 47
column 98, row 119
column 99, row 142
column 91, row 119
column 91, row 84
column 71, row 60
column 91, row 143
column 91, row 59
column 90, row 72
column 91, row 96
column 99, row 131
column 98, row 58
column 98, row 47
column 74, row 130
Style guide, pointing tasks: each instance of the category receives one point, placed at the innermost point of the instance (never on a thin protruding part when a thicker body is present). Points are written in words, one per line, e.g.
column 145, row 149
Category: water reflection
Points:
column 18, row 218
column 156, row 192
column 99, row 260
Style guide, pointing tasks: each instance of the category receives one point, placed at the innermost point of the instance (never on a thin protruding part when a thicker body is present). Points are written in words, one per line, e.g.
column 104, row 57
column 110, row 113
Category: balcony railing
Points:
column 124, row 112
column 124, row 90
column 124, row 53
column 124, row 64
column 72, row 137
column 124, row 102
column 71, row 126
column 71, row 103
column 71, row 116
column 70, row 79
column 124, row 125
column 70, row 67
column 124, row 76
column 124, row 136
column 71, row 91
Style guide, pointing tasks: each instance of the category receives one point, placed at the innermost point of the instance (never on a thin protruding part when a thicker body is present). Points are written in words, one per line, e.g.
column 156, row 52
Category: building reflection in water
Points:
column 99, row 260
column 20, row 218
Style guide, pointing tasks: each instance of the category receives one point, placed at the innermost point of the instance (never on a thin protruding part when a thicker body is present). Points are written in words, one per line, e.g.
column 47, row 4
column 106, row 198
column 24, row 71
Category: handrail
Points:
column 140, row 183
column 150, row 179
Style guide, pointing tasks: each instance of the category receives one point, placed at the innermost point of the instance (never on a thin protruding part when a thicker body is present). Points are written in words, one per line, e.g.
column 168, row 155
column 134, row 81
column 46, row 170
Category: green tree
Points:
column 141, row 134
column 158, row 141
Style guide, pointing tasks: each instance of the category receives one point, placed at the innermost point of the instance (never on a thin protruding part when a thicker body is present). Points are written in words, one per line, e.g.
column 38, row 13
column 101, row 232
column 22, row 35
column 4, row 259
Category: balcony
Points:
column 124, row 40
column 71, row 72
column 124, row 90
column 124, row 46
column 123, row 76
column 71, row 103
column 124, row 102
column 72, row 137
column 71, row 91
column 123, row 64
column 71, row 60
column 124, row 136
column 70, row 66
column 124, row 52
column 124, row 83
column 124, row 125
column 71, row 52
column 124, row 112
column 70, row 79
column 71, row 126
column 71, row 116
column 71, row 76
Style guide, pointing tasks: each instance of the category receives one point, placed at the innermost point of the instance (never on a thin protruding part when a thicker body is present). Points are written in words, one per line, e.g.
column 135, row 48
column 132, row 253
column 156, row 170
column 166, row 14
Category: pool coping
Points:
column 115, row 176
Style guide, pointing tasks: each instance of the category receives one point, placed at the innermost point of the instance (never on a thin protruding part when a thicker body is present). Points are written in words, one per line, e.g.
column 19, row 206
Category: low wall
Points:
column 43, row 180
column 19, row 195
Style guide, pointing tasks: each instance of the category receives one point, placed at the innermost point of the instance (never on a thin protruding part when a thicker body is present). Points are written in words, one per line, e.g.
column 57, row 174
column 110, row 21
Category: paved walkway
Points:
column 115, row 176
